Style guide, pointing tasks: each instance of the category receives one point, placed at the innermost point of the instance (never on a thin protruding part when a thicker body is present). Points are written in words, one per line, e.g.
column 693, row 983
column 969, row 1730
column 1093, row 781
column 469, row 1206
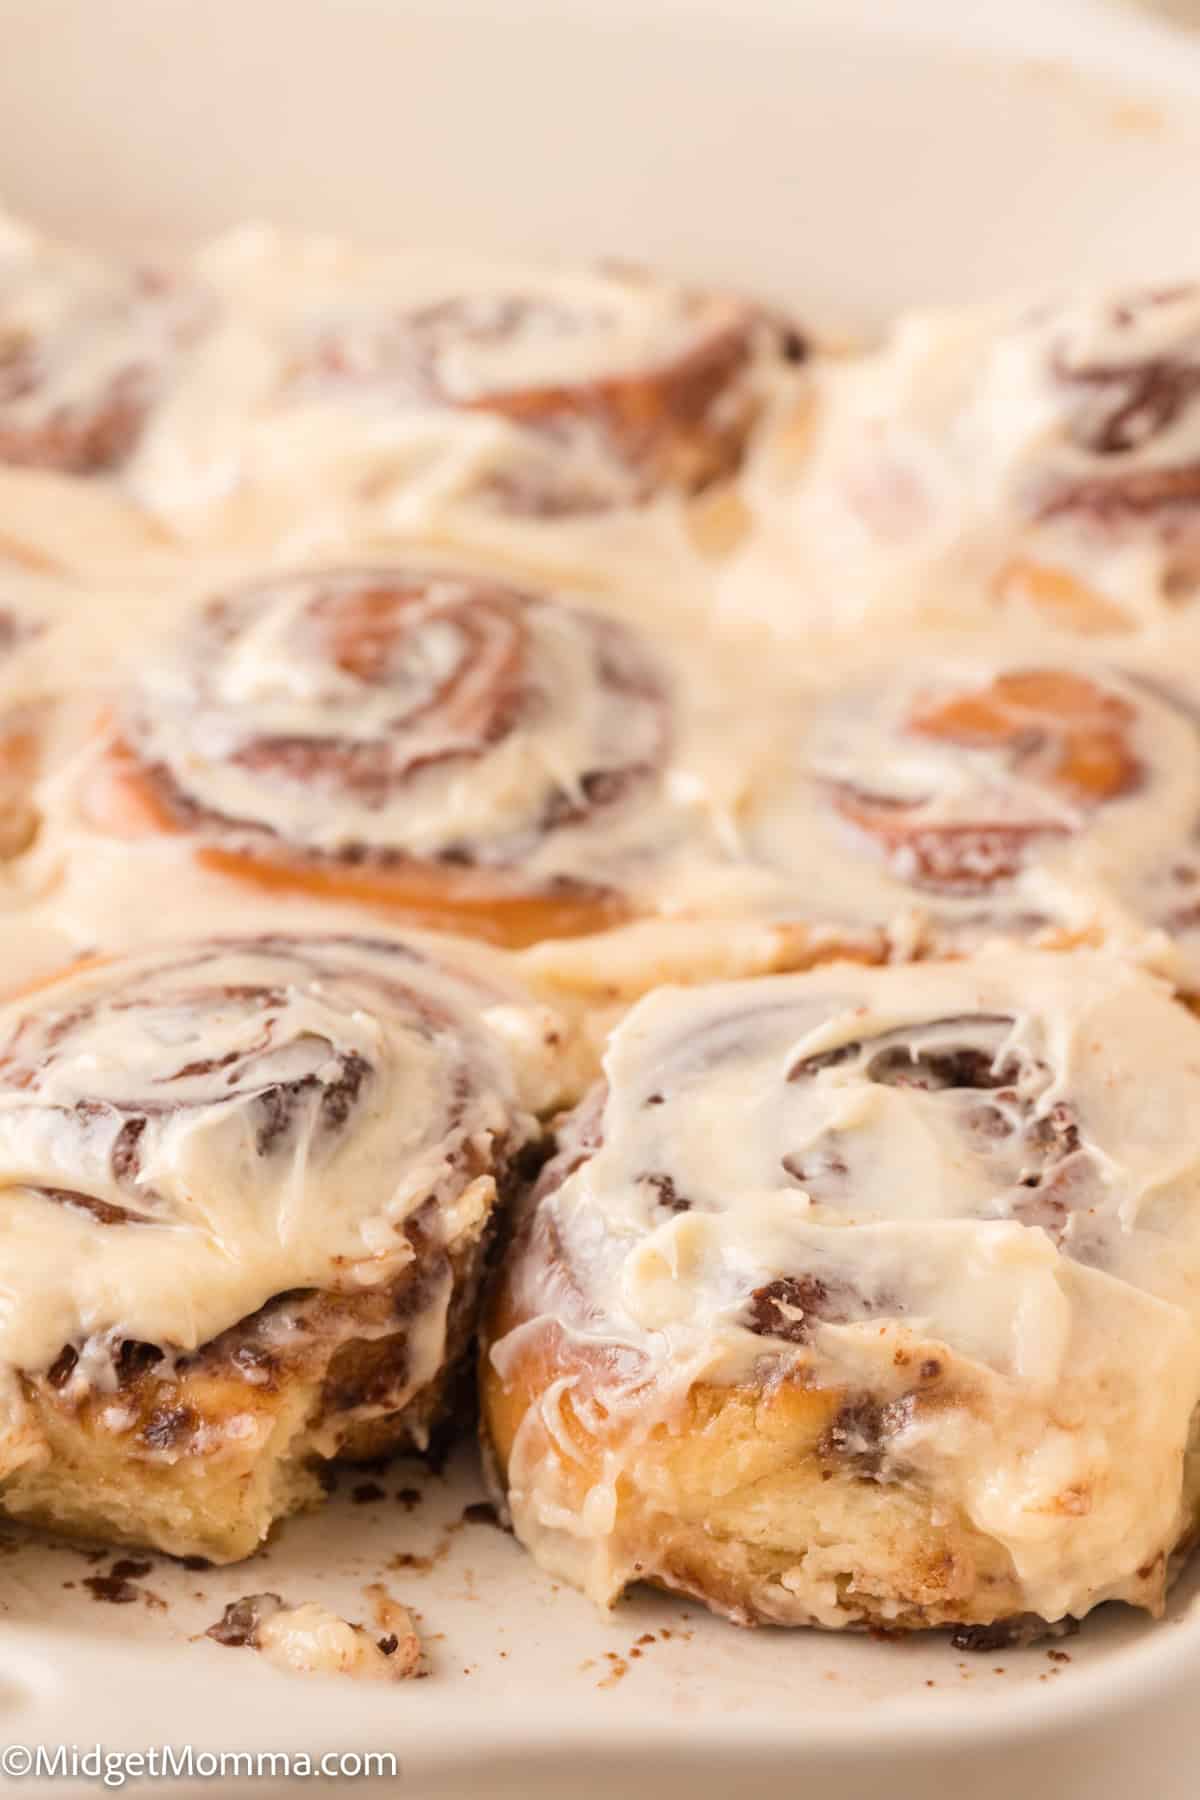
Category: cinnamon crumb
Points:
column 112, row 1588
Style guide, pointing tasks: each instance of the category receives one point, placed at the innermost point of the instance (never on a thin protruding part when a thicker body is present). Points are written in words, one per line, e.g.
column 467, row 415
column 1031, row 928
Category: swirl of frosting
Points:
column 947, row 1208
column 430, row 741
column 189, row 1132
column 84, row 353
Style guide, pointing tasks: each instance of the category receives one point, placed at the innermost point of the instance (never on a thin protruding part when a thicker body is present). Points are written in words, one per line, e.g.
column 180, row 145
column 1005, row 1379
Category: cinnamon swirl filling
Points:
column 1107, row 493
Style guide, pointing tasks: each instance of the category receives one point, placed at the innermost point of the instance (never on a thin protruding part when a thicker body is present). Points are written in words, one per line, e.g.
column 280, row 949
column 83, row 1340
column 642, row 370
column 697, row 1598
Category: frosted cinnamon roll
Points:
column 867, row 1297
column 85, row 351
column 247, row 1190
column 996, row 463
column 429, row 744
column 979, row 795
column 424, row 380
column 438, row 746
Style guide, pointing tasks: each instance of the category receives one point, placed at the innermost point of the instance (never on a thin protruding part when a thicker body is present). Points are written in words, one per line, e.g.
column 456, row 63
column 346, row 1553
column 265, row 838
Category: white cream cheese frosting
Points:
column 844, row 1177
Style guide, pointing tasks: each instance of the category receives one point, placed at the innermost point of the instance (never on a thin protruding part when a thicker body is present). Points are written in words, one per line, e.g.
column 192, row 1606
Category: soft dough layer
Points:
column 248, row 1186
column 867, row 1296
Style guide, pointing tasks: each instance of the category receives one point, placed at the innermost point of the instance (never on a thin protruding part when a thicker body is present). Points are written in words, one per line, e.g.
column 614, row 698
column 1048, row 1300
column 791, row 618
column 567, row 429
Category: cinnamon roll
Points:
column 524, row 391
column 437, row 746
column 248, row 1186
column 86, row 349
column 998, row 463
column 867, row 1297
column 974, row 794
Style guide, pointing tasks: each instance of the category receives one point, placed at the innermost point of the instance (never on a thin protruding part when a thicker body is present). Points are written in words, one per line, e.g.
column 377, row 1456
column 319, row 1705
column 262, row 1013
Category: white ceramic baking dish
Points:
column 847, row 158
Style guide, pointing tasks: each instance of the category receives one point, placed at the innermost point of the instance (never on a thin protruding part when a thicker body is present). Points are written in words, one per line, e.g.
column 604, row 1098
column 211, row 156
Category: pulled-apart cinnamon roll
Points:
column 247, row 1187
column 867, row 1297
